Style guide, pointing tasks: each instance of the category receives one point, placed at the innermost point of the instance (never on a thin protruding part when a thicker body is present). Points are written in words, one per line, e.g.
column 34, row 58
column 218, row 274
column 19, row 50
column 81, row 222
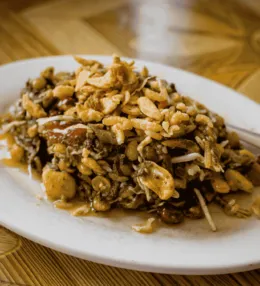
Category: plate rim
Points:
column 135, row 266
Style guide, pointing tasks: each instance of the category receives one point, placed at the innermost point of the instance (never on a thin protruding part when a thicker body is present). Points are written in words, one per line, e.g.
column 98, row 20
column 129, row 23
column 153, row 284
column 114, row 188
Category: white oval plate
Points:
column 190, row 248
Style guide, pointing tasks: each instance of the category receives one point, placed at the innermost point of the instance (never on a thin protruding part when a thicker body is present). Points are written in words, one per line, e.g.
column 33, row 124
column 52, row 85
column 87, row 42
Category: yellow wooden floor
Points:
column 219, row 39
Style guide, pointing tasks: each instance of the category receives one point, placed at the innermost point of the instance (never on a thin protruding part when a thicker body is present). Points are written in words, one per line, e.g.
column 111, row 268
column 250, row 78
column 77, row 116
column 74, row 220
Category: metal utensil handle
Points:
column 246, row 135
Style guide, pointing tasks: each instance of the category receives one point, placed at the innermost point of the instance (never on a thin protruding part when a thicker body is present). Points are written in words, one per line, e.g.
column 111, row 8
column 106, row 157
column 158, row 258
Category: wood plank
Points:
column 71, row 36
column 17, row 41
column 250, row 86
column 37, row 265
column 71, row 9
column 17, row 6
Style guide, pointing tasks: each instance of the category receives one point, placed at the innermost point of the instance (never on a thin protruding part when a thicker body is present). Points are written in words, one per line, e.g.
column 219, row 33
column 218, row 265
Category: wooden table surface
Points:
column 219, row 39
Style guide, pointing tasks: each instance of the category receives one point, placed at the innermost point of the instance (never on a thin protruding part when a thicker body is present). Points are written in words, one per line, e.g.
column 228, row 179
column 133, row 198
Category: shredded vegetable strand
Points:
column 205, row 209
column 187, row 158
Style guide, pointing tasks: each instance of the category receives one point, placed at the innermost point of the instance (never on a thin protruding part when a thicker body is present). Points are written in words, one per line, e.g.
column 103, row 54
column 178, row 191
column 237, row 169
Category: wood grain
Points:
column 37, row 265
column 217, row 39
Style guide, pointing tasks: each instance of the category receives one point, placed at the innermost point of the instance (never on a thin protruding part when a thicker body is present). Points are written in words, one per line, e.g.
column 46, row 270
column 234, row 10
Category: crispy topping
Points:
column 63, row 91
column 237, row 181
column 34, row 109
column 146, row 227
column 58, row 185
column 149, row 108
column 159, row 180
